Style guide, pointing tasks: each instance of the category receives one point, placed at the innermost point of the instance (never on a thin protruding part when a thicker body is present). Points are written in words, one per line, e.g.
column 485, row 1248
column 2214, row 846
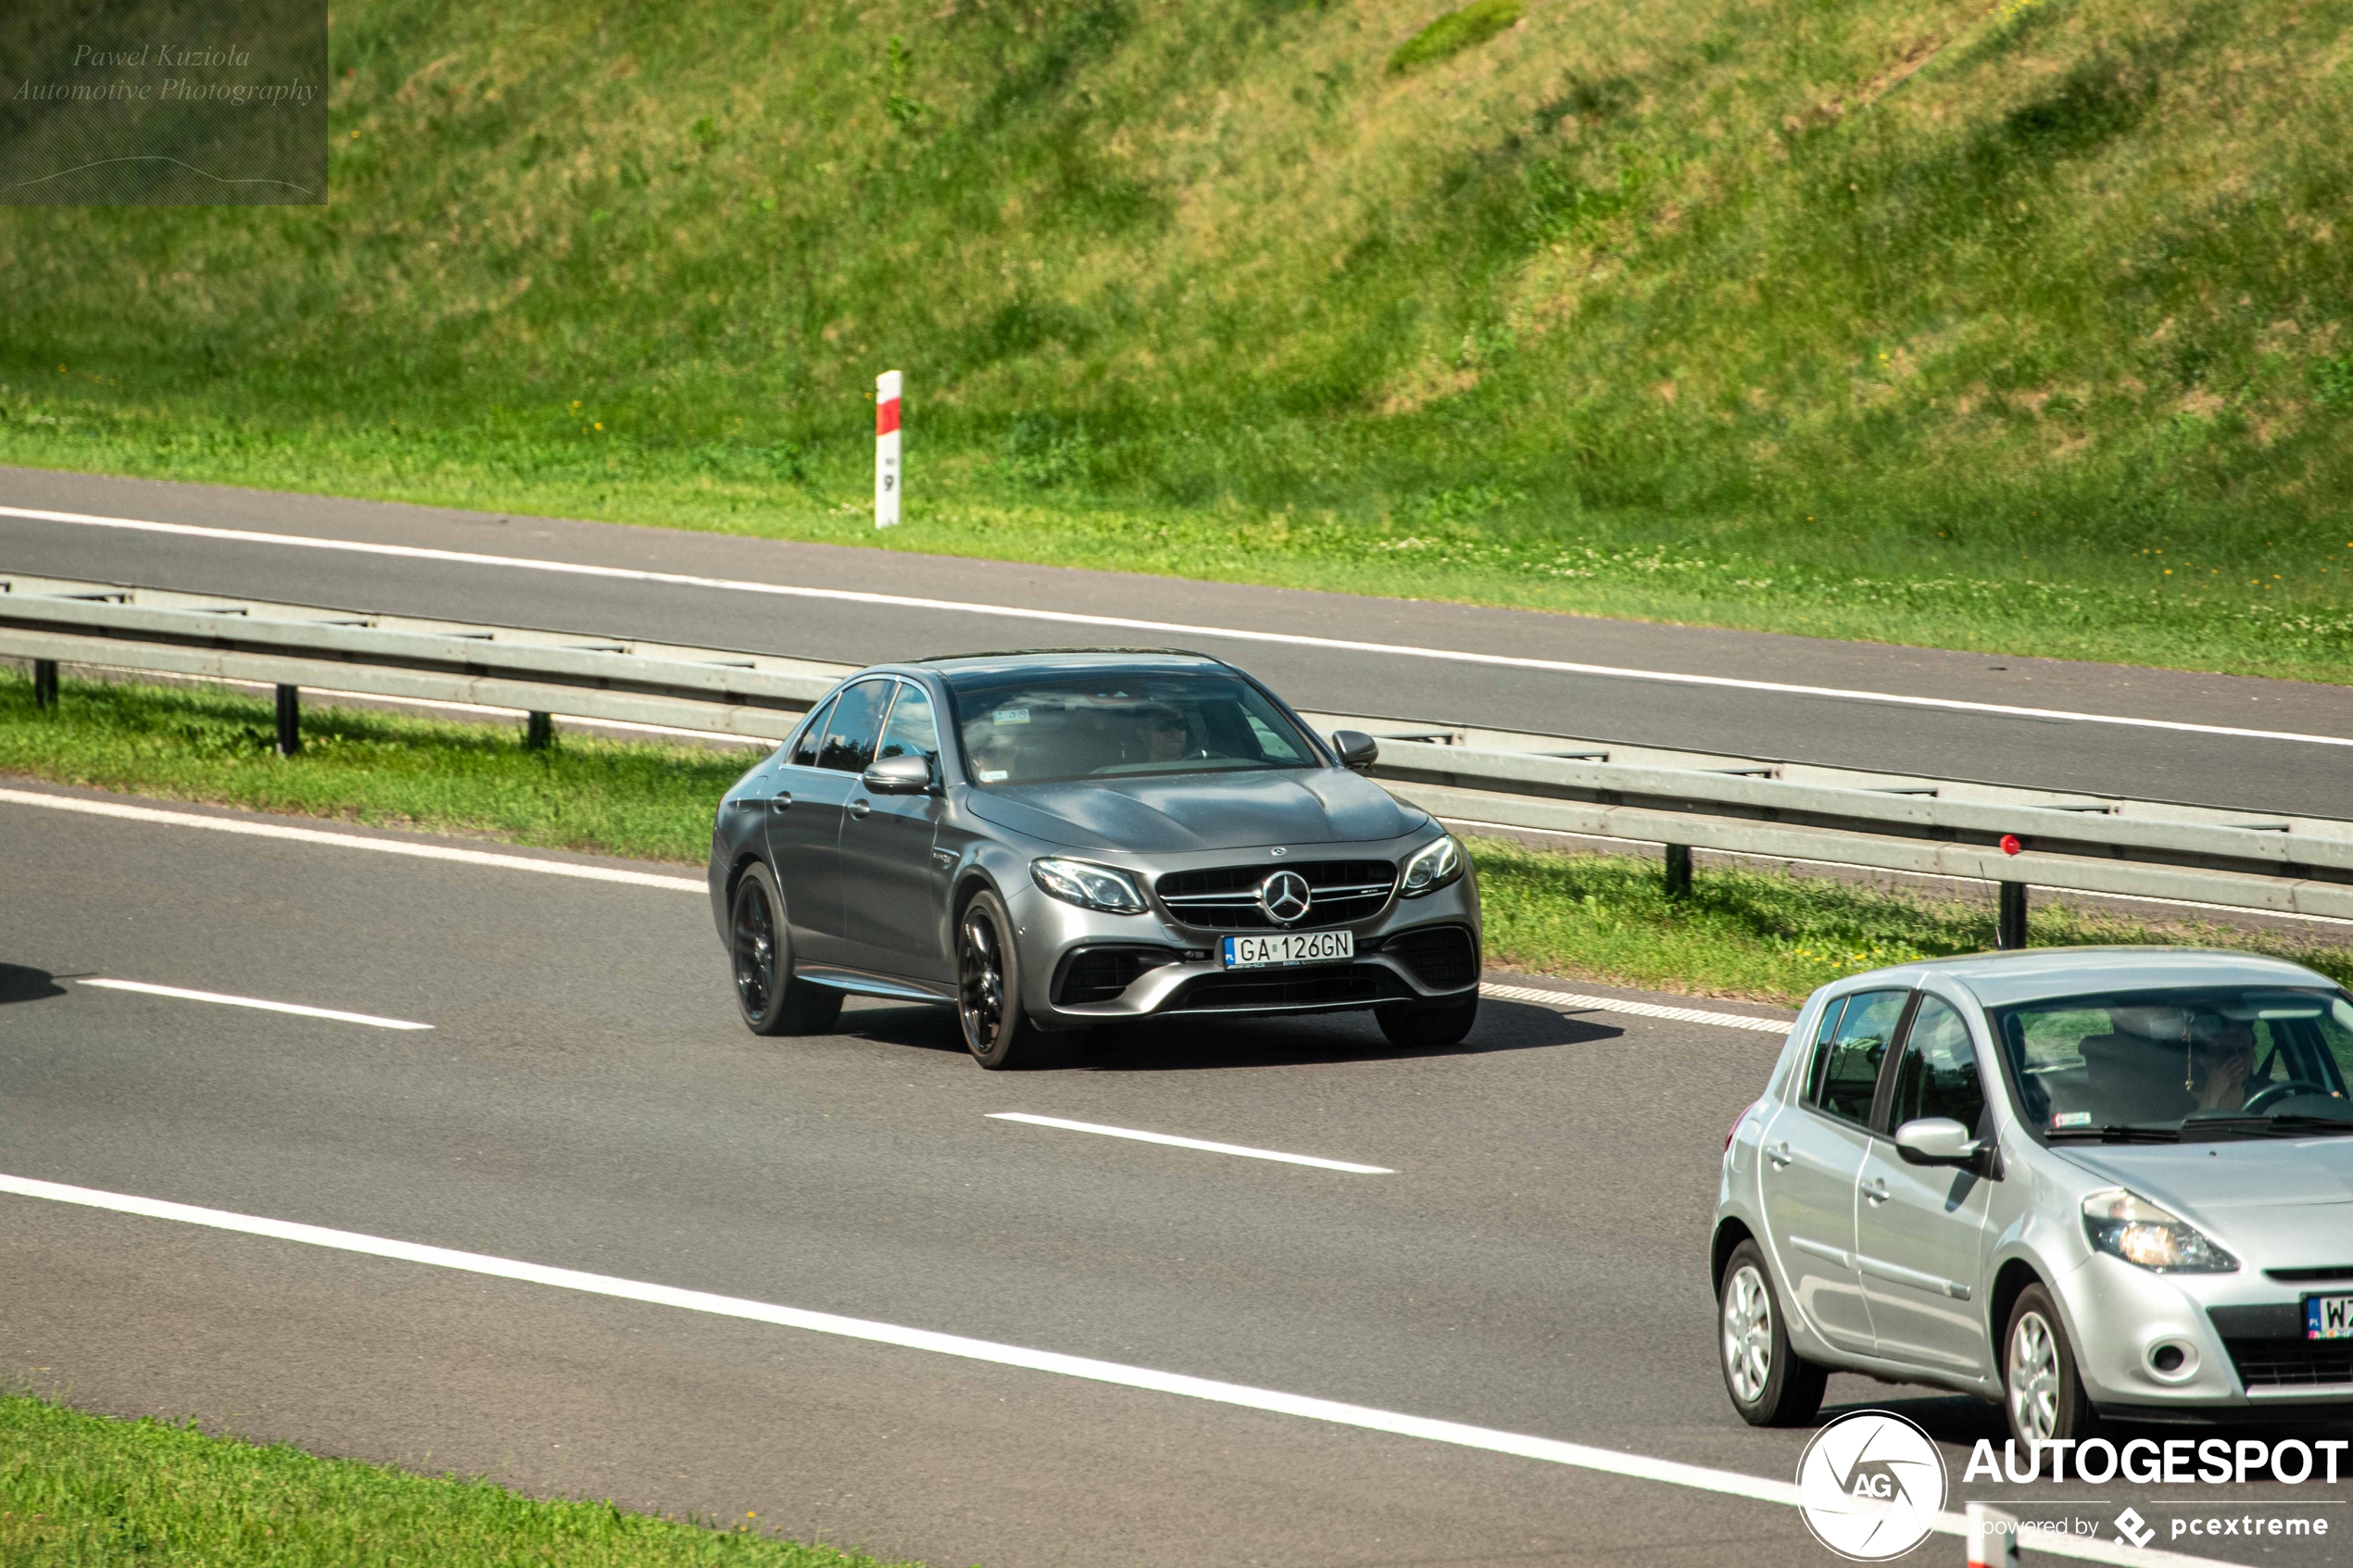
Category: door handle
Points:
column 1779, row 1154
column 859, row 807
column 780, row 801
column 1876, row 1189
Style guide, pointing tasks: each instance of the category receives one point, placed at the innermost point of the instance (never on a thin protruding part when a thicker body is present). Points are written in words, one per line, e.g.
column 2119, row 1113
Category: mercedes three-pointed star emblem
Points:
column 1285, row 898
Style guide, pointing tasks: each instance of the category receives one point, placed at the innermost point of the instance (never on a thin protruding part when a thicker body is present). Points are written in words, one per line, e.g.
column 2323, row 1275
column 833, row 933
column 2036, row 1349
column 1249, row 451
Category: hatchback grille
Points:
column 1441, row 957
column 1097, row 974
column 1226, row 897
column 2267, row 1345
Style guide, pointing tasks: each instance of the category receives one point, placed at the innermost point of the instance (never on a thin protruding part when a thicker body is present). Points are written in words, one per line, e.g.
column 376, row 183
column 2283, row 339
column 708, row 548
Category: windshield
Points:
column 2161, row 1065
column 1088, row 724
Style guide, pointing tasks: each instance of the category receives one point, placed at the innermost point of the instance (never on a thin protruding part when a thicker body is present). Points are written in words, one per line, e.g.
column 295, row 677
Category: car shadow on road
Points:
column 1174, row 1045
column 1948, row 1418
column 1167, row 1045
column 20, row 984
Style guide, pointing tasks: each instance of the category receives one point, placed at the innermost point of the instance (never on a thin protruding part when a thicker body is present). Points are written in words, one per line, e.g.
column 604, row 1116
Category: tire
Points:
column 770, row 999
column 1427, row 1029
column 988, row 1009
column 2042, row 1392
column 1769, row 1383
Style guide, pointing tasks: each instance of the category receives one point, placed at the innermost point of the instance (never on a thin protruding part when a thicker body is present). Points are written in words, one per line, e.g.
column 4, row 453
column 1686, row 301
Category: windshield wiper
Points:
column 2270, row 1126
column 2113, row 1133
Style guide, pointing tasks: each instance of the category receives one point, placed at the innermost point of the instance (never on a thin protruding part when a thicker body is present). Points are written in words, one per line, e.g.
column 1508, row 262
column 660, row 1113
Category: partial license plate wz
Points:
column 2328, row 1317
column 1290, row 947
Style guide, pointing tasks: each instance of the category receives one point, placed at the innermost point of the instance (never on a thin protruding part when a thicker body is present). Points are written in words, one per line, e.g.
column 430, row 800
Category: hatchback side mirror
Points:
column 1936, row 1140
column 1357, row 750
column 899, row 775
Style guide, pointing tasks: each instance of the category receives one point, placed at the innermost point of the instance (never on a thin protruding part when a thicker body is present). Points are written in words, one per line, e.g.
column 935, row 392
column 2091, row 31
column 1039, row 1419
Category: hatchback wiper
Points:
column 2270, row 1126
column 2113, row 1133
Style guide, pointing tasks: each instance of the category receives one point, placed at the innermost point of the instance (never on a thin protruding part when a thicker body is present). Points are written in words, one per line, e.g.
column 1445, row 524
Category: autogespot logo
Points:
column 1870, row 1485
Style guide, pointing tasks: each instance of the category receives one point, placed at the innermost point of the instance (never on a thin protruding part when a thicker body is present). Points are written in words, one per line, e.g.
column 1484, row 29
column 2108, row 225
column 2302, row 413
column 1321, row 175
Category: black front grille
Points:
column 1099, row 974
column 2302, row 1276
column 1226, row 897
column 1441, row 957
column 1333, row 987
column 2267, row 1345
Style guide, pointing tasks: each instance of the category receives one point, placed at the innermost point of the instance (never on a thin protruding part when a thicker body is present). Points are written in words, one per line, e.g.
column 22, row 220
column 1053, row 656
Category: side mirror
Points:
column 1357, row 750
column 899, row 775
column 1936, row 1140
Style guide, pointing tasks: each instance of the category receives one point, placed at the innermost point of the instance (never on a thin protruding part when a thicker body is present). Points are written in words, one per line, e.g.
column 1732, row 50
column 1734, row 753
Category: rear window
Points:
column 1058, row 725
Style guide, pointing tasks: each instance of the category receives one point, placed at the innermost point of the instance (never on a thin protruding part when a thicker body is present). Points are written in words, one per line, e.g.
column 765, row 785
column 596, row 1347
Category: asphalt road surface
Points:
column 586, row 1098
column 2059, row 741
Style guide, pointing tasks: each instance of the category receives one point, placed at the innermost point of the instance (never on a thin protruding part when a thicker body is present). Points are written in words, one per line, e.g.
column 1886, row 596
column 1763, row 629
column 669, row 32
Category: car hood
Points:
column 1170, row 813
column 2284, row 1201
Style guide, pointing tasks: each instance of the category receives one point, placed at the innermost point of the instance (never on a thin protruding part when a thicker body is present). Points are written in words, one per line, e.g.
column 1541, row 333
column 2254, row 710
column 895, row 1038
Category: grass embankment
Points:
column 78, row 1489
column 1740, row 933
column 2015, row 324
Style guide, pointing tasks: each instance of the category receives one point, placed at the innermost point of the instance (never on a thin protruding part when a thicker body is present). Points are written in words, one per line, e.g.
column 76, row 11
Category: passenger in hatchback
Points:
column 2222, row 1054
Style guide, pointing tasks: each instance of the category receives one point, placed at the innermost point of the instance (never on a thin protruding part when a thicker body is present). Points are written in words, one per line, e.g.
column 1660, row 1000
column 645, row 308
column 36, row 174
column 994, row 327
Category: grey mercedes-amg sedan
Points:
column 1054, row 840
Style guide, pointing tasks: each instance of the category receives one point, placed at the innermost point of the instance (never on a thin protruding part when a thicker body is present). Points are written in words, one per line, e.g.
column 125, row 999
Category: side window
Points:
column 910, row 732
column 804, row 750
column 1938, row 1074
column 851, row 731
column 1846, row 1062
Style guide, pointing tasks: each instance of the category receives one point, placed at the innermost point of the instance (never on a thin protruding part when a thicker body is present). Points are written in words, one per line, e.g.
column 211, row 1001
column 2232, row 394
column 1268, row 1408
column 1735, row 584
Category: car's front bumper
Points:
column 1189, row 979
column 2242, row 1334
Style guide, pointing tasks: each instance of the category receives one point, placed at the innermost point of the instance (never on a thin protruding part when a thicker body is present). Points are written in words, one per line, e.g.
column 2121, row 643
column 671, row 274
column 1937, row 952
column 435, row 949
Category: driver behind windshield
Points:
column 2222, row 1054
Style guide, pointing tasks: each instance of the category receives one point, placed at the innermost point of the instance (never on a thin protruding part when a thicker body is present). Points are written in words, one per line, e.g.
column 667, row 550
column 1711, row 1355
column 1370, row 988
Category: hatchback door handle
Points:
column 780, row 801
column 1779, row 1154
column 1876, row 1189
column 859, row 807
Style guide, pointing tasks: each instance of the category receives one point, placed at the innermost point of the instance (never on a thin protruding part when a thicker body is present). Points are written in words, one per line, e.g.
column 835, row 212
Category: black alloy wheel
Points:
column 989, row 987
column 1427, row 1028
column 771, row 1000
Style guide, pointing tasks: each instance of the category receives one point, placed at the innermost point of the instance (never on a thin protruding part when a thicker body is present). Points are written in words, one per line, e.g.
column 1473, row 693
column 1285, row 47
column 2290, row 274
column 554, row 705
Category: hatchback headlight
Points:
column 1432, row 867
column 2139, row 1232
column 1090, row 886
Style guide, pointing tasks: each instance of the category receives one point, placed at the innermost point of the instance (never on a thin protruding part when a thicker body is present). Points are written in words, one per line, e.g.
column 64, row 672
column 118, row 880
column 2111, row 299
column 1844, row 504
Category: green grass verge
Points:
column 1741, row 934
column 85, row 1489
column 2017, row 325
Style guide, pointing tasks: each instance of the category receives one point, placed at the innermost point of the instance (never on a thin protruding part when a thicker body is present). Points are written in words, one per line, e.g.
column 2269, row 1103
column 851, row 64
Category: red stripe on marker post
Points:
column 886, row 449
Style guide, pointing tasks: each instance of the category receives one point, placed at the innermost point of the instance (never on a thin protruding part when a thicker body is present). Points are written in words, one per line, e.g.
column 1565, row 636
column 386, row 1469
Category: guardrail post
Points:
column 1679, row 870
column 44, row 682
column 2009, row 924
column 1992, row 1537
column 540, row 733
column 289, row 720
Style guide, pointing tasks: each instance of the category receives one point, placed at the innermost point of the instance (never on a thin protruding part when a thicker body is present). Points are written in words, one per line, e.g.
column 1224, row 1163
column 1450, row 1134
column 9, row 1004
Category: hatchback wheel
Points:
column 988, row 989
column 1769, row 1385
column 1427, row 1029
column 771, row 1000
column 2042, row 1391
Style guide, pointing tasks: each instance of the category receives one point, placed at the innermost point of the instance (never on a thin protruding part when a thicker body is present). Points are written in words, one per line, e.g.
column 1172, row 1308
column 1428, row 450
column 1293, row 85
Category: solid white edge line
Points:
column 349, row 841
column 1581, row 1002
column 1640, row 1467
column 1072, row 618
column 144, row 988
column 1201, row 1144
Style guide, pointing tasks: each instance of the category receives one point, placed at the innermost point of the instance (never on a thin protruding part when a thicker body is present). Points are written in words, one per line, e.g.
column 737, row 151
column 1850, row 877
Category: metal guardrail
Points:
column 2292, row 866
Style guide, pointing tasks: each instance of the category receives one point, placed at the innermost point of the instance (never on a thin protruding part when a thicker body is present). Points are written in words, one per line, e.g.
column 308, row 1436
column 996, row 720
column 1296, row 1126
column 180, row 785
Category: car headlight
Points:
column 2139, row 1232
column 1432, row 867
column 1090, row 886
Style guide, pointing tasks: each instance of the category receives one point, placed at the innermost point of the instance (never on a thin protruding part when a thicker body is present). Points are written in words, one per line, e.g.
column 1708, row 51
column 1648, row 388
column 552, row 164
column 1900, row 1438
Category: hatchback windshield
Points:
column 1041, row 727
column 2162, row 1065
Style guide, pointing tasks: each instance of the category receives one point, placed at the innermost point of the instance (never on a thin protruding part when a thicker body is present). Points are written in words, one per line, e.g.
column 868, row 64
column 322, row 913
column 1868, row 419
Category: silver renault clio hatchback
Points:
column 2086, row 1183
column 1054, row 840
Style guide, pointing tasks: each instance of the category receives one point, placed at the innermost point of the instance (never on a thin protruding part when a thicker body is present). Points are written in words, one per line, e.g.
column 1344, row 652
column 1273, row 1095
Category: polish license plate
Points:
column 2328, row 1317
column 1296, row 947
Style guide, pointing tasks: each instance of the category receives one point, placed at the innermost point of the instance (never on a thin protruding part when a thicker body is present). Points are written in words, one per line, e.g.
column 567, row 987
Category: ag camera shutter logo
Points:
column 1870, row 1485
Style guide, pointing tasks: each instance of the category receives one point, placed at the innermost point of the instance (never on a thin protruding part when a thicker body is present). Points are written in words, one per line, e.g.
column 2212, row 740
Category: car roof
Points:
column 2004, row 979
column 1012, row 661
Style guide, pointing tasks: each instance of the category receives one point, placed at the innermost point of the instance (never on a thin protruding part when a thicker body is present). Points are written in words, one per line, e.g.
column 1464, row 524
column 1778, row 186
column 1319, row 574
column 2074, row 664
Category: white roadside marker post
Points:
column 1992, row 1537
column 886, row 449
